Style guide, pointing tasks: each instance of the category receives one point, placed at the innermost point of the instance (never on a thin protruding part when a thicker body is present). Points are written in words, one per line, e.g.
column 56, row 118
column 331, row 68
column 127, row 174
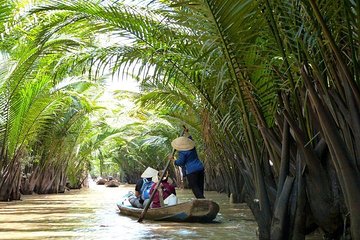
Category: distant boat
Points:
column 101, row 181
column 112, row 183
column 197, row 210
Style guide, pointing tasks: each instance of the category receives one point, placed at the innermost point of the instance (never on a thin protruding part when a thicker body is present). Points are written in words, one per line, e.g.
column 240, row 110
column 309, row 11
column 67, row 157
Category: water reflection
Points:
column 92, row 214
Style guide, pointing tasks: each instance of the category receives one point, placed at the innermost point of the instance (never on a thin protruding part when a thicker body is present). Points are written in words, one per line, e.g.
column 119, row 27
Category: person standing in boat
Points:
column 165, row 189
column 142, row 188
column 188, row 159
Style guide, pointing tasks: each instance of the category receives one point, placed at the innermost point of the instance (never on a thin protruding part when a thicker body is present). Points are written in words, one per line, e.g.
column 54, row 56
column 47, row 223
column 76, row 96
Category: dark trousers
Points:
column 196, row 183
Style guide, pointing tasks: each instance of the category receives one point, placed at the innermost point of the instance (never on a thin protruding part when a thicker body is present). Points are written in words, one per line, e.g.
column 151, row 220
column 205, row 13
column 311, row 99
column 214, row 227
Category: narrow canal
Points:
column 92, row 214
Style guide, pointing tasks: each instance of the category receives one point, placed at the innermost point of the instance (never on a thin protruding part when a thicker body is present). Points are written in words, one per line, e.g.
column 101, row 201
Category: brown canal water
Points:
column 92, row 214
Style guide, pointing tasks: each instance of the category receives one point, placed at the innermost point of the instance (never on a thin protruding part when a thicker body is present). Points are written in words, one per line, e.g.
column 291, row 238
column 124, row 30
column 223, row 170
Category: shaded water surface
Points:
column 92, row 214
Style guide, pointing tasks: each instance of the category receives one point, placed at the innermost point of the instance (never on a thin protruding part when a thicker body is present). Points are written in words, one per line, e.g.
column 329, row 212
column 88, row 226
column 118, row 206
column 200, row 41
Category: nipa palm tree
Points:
column 276, row 84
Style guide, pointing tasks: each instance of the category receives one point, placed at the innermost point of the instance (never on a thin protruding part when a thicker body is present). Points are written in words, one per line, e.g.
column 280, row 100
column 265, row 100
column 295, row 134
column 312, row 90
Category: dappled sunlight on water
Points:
column 92, row 214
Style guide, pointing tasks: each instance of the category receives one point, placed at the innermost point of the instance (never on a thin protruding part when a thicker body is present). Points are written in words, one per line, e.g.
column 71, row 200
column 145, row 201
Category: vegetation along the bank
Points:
column 269, row 90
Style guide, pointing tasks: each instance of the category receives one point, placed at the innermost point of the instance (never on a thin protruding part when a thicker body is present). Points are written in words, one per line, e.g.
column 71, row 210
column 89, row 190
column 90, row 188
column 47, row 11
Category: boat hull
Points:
column 112, row 183
column 198, row 210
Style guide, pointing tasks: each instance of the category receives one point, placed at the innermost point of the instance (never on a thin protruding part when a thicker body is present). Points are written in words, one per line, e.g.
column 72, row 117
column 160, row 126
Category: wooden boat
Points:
column 101, row 181
column 197, row 210
column 112, row 183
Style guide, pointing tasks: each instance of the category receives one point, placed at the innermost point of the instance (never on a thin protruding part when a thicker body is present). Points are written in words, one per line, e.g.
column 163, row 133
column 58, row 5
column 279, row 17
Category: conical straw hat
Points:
column 149, row 173
column 182, row 144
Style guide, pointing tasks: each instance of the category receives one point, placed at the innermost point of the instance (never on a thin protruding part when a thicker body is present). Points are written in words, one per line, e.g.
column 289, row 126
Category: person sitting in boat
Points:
column 142, row 188
column 165, row 189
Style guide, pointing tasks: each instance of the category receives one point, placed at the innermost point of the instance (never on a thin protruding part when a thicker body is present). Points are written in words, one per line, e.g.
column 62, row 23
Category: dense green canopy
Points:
column 269, row 90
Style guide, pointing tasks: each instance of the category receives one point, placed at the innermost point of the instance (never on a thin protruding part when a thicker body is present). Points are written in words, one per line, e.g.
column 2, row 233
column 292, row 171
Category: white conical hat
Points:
column 183, row 144
column 149, row 173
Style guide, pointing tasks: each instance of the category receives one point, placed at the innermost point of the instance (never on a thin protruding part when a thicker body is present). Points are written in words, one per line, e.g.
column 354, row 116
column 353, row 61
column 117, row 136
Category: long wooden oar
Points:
column 142, row 215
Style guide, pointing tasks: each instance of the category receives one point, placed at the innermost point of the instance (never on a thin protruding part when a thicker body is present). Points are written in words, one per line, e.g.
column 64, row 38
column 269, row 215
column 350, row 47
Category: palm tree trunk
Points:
column 10, row 181
column 347, row 172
